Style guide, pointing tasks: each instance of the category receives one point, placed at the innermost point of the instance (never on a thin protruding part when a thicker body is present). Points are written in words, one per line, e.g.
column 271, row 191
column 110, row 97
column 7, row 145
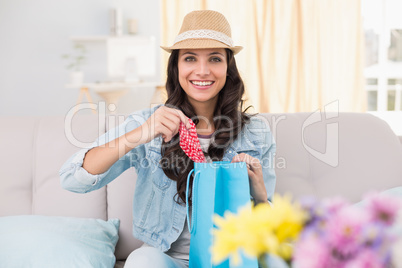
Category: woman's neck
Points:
column 205, row 115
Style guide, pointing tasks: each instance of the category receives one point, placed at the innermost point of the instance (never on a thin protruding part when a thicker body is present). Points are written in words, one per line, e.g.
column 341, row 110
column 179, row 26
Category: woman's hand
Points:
column 164, row 121
column 254, row 169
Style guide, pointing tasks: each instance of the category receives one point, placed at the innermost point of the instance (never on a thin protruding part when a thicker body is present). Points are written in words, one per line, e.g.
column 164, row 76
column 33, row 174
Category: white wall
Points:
column 35, row 33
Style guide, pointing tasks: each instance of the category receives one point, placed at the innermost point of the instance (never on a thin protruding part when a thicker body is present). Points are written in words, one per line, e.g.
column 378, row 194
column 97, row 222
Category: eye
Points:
column 189, row 58
column 216, row 59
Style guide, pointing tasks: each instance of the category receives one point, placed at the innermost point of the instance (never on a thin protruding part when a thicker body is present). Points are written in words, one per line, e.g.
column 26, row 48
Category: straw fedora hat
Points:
column 204, row 29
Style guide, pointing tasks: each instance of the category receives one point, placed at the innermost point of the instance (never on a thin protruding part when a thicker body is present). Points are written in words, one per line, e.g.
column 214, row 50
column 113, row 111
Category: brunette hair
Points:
column 229, row 120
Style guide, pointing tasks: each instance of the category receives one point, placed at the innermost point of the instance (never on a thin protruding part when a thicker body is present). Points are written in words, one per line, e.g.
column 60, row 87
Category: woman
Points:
column 203, row 84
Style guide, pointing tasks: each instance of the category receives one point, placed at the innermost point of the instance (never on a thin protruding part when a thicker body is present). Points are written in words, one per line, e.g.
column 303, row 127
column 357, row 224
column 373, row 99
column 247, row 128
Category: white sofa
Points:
column 362, row 154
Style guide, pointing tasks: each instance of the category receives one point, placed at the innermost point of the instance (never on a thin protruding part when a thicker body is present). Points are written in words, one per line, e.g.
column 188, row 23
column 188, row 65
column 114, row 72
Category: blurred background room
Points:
column 58, row 57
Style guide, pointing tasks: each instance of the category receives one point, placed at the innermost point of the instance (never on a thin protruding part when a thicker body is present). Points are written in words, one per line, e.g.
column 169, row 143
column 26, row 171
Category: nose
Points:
column 202, row 68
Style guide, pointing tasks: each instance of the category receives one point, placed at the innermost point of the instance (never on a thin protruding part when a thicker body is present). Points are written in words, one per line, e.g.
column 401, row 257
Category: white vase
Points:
column 76, row 78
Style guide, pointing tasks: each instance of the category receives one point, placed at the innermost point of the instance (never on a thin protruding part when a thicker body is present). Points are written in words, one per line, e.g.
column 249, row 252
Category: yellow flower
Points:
column 258, row 230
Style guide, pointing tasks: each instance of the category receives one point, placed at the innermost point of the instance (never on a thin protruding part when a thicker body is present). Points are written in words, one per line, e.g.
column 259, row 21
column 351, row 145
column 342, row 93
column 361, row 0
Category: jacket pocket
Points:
column 252, row 153
column 159, row 178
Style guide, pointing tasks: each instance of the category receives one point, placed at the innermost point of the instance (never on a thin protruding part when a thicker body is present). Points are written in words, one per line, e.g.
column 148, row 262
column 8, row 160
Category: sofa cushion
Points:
column 42, row 241
column 57, row 139
column 16, row 154
column 335, row 154
column 32, row 150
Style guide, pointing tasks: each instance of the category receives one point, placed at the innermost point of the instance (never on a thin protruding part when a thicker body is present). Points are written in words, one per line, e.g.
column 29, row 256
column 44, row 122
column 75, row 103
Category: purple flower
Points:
column 333, row 205
column 311, row 252
column 344, row 231
column 383, row 208
column 372, row 235
column 365, row 259
column 317, row 212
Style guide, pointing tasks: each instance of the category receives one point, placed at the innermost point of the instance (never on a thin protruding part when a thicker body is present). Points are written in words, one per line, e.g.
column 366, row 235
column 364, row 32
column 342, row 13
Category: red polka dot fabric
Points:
column 190, row 144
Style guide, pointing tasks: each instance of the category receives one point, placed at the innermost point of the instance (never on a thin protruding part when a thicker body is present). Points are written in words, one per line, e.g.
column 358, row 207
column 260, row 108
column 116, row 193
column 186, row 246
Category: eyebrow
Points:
column 210, row 54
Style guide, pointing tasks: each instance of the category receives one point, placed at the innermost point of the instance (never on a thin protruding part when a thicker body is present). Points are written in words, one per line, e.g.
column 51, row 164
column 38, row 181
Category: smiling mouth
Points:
column 202, row 83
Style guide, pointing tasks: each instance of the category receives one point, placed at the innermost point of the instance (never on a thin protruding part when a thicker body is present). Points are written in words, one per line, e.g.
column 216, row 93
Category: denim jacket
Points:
column 158, row 219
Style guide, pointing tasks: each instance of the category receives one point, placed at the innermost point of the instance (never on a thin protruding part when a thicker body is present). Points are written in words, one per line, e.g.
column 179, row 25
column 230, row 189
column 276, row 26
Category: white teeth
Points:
column 197, row 83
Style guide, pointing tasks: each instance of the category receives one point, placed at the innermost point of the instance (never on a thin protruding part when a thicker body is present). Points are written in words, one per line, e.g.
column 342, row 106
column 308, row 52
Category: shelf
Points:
column 110, row 86
column 104, row 38
column 89, row 38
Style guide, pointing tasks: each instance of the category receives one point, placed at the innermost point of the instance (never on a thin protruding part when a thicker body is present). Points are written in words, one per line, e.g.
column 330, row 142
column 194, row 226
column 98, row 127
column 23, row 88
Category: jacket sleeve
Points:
column 75, row 178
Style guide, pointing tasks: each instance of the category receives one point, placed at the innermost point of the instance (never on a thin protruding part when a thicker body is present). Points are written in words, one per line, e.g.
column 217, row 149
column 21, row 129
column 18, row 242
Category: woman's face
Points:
column 202, row 74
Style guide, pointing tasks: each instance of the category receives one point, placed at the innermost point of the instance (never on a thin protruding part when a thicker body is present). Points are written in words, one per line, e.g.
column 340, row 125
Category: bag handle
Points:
column 190, row 226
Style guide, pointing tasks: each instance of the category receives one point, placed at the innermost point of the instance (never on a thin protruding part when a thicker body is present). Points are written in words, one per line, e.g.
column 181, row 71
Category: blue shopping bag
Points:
column 217, row 187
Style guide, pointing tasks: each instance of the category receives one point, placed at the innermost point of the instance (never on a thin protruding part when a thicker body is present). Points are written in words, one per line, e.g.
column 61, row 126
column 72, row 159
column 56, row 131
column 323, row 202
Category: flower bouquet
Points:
column 330, row 233
column 258, row 231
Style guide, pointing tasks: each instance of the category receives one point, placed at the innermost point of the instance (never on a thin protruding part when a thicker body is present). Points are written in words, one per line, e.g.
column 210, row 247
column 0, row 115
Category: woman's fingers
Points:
column 166, row 133
column 252, row 163
column 254, row 169
column 167, row 129
column 167, row 122
column 183, row 118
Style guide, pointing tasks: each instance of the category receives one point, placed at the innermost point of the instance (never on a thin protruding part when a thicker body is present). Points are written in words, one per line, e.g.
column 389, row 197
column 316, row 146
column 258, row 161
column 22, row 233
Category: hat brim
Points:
column 201, row 44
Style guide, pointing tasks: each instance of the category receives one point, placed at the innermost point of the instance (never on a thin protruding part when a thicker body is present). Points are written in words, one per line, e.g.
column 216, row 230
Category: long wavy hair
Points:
column 229, row 120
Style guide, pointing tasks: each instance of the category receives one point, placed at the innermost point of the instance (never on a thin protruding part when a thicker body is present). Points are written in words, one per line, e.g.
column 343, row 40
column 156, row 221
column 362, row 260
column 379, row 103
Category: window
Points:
column 383, row 59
